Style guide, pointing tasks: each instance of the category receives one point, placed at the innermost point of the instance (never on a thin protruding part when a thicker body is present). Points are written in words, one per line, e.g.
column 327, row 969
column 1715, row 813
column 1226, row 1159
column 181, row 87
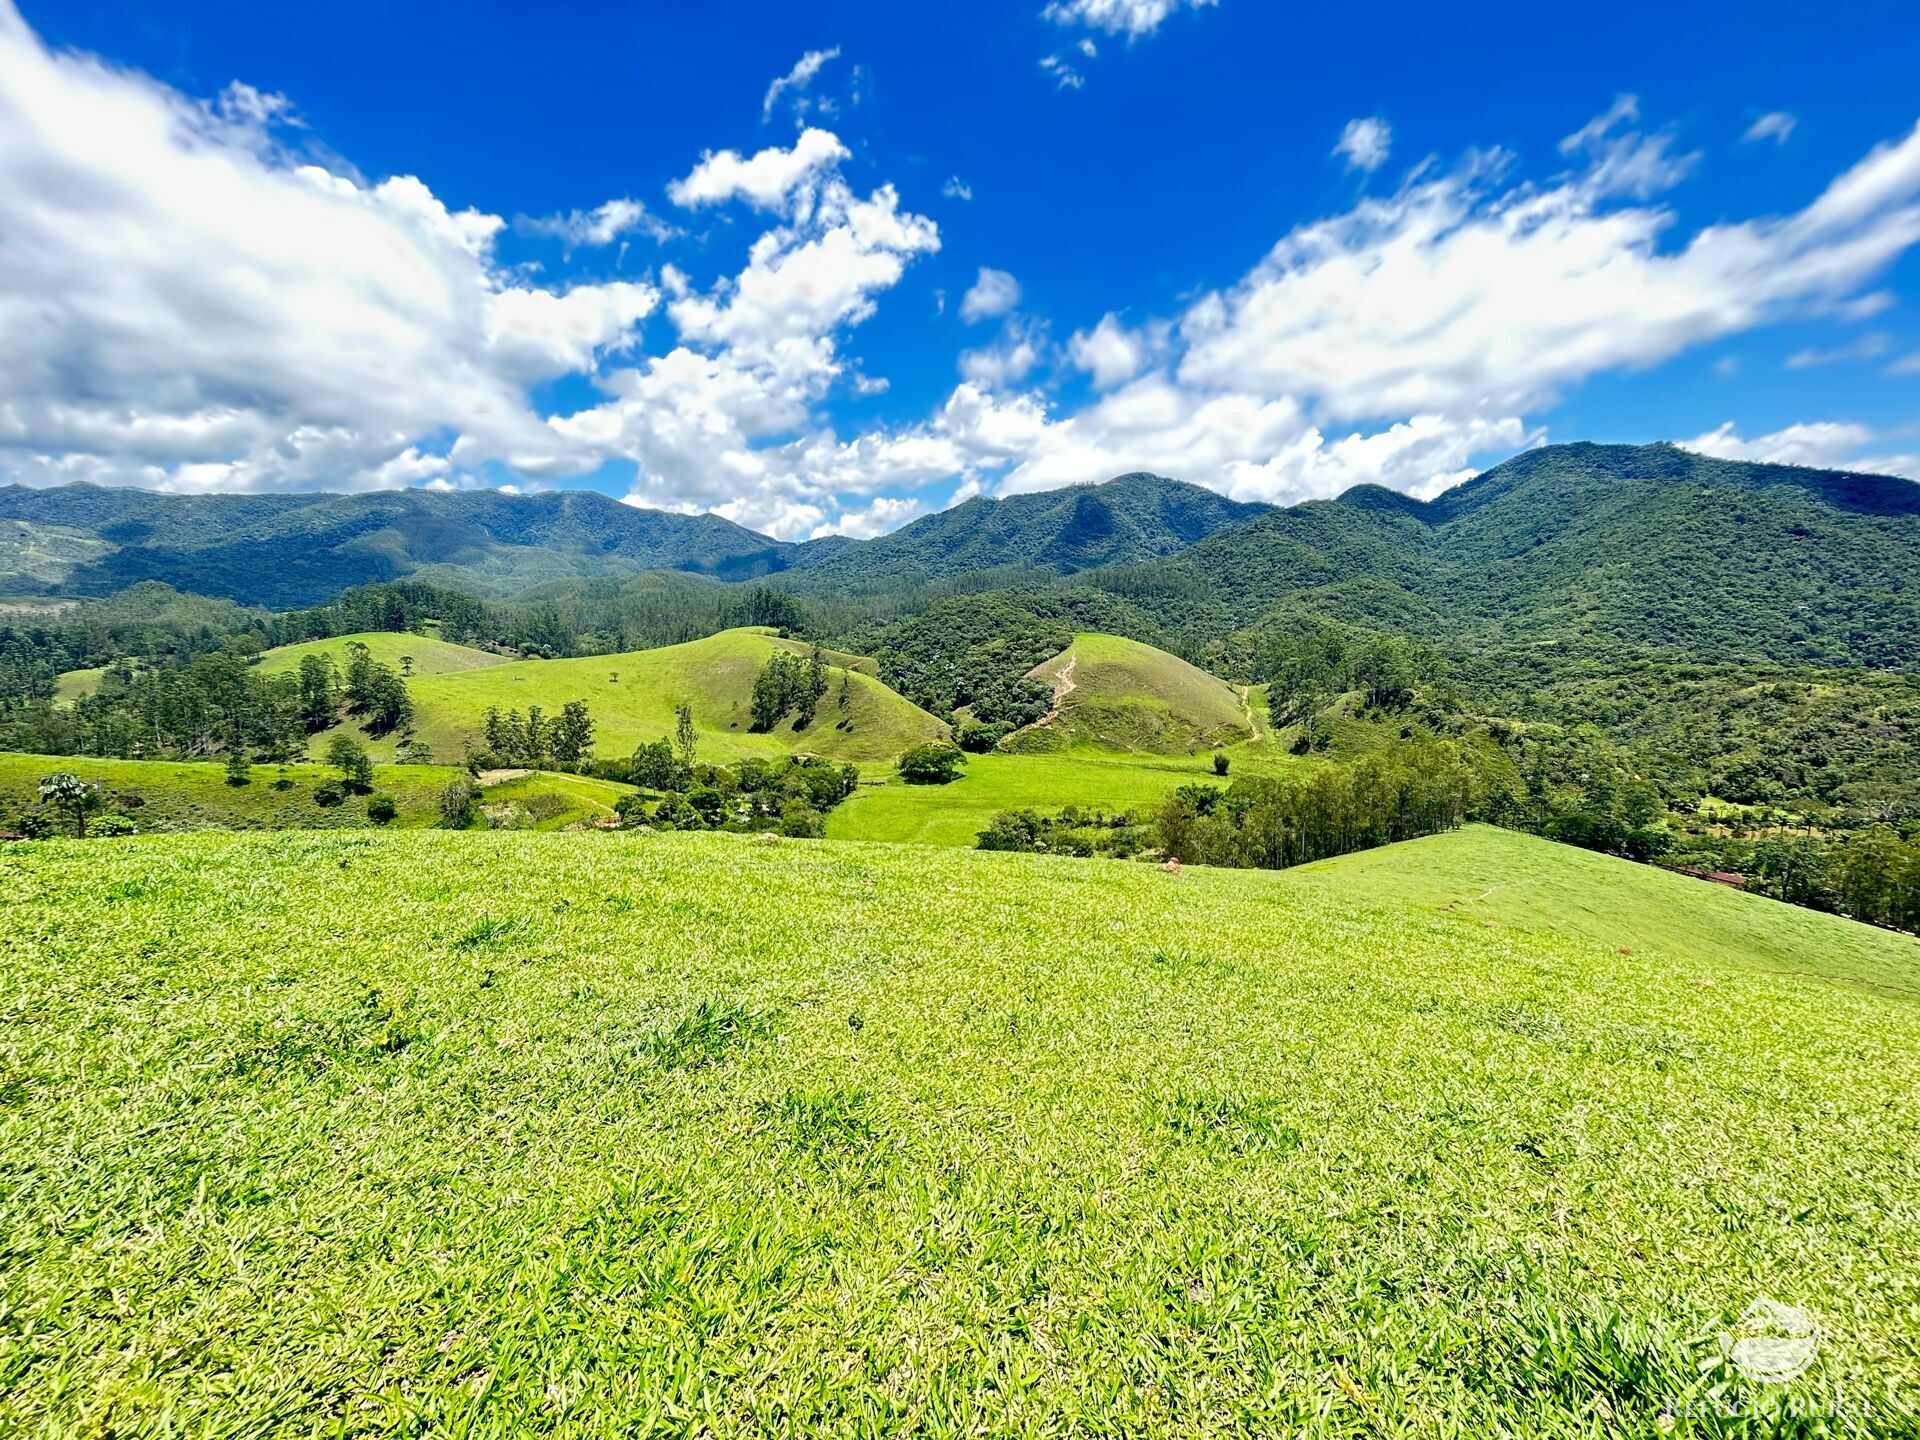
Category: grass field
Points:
column 72, row 685
column 955, row 814
column 633, row 697
column 430, row 654
column 651, row 1134
column 1121, row 695
column 174, row 795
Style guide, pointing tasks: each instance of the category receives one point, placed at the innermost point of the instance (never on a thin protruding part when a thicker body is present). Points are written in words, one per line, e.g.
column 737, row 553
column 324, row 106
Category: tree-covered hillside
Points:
column 1650, row 547
column 289, row 550
column 1130, row 518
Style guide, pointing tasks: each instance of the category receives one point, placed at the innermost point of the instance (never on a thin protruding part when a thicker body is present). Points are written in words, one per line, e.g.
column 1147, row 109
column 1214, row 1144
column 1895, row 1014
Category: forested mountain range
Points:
column 1652, row 548
column 295, row 550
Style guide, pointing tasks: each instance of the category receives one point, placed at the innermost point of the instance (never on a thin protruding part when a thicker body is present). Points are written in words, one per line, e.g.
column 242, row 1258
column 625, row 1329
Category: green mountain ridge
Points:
column 293, row 550
column 1651, row 547
column 1647, row 546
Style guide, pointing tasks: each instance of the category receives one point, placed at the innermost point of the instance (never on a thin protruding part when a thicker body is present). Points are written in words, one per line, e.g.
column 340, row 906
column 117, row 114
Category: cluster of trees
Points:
column 1872, row 874
column 1071, row 832
column 564, row 742
column 1309, row 665
column 1413, row 788
column 789, row 796
column 973, row 652
column 372, row 691
column 790, row 685
column 212, row 703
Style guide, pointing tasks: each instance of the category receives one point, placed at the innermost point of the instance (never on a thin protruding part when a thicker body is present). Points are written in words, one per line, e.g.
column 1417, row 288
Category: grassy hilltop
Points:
column 633, row 697
column 657, row 1134
column 1120, row 695
column 430, row 654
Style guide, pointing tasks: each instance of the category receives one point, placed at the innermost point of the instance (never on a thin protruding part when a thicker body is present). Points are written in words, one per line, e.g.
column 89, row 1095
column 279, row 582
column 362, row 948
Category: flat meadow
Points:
column 664, row 1134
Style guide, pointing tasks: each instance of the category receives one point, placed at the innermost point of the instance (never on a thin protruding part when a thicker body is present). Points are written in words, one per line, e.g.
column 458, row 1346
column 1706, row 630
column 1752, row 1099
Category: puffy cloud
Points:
column 602, row 225
column 1456, row 296
column 772, row 179
column 796, row 81
column 1822, row 444
column 1131, row 18
column 798, row 285
column 1010, row 359
column 877, row 518
column 183, row 302
column 1111, row 353
column 994, row 293
column 1364, row 143
column 1775, row 125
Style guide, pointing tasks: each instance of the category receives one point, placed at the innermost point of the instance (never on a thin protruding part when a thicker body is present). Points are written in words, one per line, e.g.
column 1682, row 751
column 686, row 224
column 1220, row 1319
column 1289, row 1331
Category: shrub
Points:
column 977, row 739
column 1220, row 762
column 456, row 803
column 935, row 764
column 110, row 825
column 381, row 809
column 328, row 794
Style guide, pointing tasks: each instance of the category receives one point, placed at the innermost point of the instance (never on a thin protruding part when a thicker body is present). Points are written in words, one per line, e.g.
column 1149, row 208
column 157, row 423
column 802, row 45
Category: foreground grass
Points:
column 665, row 1134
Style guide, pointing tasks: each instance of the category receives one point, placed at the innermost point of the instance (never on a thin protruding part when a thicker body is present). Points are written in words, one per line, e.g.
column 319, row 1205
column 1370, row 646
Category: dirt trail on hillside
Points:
column 1062, row 687
column 1246, row 703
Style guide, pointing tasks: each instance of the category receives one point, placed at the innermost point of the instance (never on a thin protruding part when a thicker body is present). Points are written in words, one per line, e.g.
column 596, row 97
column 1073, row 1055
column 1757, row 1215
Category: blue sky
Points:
column 827, row 267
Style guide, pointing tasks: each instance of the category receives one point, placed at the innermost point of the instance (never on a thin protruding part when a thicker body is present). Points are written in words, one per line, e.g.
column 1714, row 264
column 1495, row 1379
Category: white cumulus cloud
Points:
column 771, row 179
column 992, row 294
column 1364, row 143
column 1131, row 18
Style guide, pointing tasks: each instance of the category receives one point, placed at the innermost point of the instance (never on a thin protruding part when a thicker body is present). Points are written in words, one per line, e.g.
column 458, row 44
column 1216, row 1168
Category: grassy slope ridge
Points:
column 180, row 795
column 1127, row 696
column 715, row 676
column 431, row 655
column 660, row 1133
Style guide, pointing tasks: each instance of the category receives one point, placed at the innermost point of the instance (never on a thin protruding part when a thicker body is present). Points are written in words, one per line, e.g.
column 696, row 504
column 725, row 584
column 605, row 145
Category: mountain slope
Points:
column 1650, row 546
column 1117, row 694
column 1129, row 518
column 291, row 550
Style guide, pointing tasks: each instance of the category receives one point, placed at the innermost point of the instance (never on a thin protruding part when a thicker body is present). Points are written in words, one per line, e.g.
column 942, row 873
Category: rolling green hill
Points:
column 429, row 654
column 633, row 696
column 177, row 795
column 1117, row 694
column 651, row 1133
